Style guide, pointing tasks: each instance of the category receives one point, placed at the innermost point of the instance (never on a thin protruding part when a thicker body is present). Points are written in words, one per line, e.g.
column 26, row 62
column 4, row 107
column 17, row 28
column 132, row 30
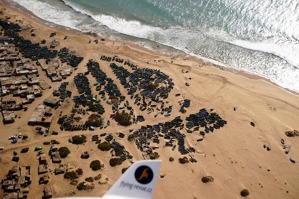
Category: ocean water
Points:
column 259, row 37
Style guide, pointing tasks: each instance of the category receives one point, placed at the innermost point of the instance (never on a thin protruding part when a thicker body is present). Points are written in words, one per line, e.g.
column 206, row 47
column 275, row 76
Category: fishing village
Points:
column 77, row 110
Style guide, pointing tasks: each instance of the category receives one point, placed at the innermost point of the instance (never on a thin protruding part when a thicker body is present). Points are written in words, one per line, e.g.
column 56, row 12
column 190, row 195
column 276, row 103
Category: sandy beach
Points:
column 247, row 153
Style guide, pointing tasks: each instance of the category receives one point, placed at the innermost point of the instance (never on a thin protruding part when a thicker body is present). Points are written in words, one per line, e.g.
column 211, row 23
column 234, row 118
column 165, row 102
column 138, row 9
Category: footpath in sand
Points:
column 247, row 153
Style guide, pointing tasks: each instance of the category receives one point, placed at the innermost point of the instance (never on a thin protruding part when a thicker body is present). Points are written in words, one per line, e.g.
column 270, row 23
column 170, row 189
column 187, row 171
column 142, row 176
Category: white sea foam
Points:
column 209, row 44
column 181, row 38
column 286, row 49
column 51, row 13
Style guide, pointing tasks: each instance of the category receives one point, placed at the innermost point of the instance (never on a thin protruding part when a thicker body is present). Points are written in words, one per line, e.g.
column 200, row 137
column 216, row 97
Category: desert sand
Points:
column 234, row 155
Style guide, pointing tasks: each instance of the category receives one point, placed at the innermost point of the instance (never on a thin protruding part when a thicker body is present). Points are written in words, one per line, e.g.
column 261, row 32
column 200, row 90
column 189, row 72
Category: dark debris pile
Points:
column 26, row 47
column 152, row 84
column 202, row 122
column 69, row 57
column 86, row 98
column 62, row 92
column 102, row 80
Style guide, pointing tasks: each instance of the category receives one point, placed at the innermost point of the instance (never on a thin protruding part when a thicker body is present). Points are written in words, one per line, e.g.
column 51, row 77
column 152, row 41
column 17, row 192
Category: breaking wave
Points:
column 256, row 37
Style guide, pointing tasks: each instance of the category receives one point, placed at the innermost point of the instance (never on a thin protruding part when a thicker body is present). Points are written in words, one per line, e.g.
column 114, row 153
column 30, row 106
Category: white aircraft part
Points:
column 138, row 182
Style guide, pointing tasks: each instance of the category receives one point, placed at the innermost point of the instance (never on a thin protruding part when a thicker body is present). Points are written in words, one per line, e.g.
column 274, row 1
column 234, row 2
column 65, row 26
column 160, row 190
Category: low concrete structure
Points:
column 8, row 117
column 55, row 157
column 6, row 69
column 44, row 179
column 8, row 52
column 42, row 169
column 42, row 115
column 16, row 183
column 51, row 102
column 25, row 67
column 48, row 193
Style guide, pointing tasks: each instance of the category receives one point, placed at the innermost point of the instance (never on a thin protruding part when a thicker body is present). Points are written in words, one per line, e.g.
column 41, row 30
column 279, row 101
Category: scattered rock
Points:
column 74, row 182
column 85, row 155
column 244, row 193
column 193, row 160
column 54, row 43
column 104, row 181
column 292, row 133
column 267, row 148
column 89, row 179
column 207, row 179
column 162, row 175
column 154, row 156
column 287, row 149
column 85, row 186
column 292, row 160
column 183, row 160
column 123, row 170
column 98, row 177
column 52, row 34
